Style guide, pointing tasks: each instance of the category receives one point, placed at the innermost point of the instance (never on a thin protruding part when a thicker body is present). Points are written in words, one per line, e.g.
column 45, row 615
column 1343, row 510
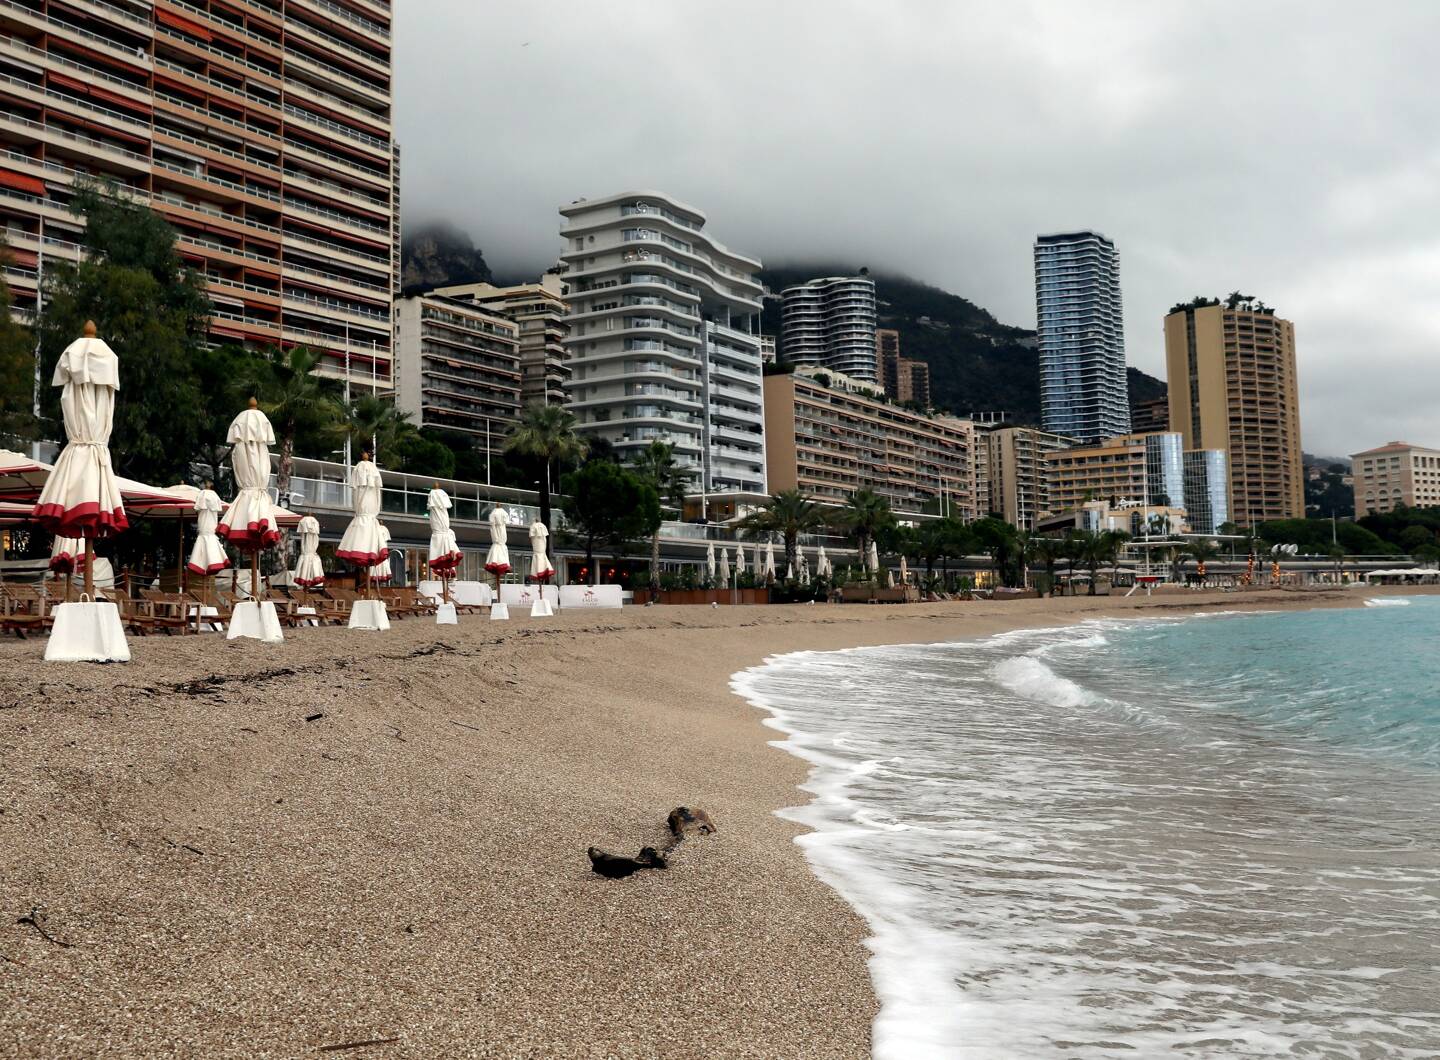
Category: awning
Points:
column 177, row 22
column 21, row 182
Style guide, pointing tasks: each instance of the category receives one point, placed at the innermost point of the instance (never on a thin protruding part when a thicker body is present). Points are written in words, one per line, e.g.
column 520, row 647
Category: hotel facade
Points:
column 664, row 337
column 1233, row 386
column 261, row 132
column 1395, row 475
column 539, row 312
column 1016, row 470
column 830, row 322
column 1084, row 390
column 828, row 436
column 1144, row 469
column 458, row 367
column 904, row 378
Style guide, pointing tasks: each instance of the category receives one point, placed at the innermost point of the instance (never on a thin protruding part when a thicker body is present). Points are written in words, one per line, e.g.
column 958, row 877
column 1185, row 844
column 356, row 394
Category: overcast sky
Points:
column 1287, row 149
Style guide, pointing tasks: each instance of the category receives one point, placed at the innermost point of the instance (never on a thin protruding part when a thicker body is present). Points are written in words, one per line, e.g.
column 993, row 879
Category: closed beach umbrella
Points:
column 380, row 571
column 444, row 551
column 770, row 560
column 249, row 523
column 541, row 569
column 308, row 571
column 208, row 555
column 710, row 561
column 874, row 558
column 81, row 498
column 67, row 555
column 361, row 543
column 889, row 578
column 723, row 574
column 822, row 562
column 739, row 560
column 790, row 572
column 904, row 571
column 497, row 560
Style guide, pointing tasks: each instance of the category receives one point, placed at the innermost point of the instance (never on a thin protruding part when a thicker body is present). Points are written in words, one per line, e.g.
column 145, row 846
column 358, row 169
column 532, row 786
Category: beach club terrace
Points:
column 320, row 488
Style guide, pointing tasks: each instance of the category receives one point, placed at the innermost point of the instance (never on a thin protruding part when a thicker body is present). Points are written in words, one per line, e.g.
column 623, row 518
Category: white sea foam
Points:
column 1031, row 678
column 1060, row 852
column 1387, row 601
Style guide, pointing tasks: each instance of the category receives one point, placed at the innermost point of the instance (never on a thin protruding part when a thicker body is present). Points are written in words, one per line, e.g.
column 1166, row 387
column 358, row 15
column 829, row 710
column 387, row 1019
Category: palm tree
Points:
column 546, row 433
column 1099, row 548
column 865, row 514
column 1201, row 552
column 656, row 465
column 1000, row 540
column 1047, row 551
column 372, row 423
column 789, row 514
column 293, row 398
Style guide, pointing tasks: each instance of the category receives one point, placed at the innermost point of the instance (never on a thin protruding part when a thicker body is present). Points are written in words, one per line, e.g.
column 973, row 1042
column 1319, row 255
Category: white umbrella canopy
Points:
column 790, row 572
column 81, row 497
column 822, row 562
column 739, row 559
column 873, row 562
column 380, row 570
column 249, row 523
column 904, row 571
column 67, row 554
column 444, row 550
column 208, row 555
column 723, row 574
column 361, row 543
column 770, row 559
column 540, row 567
column 21, row 477
column 308, row 570
column 710, row 561
column 889, row 578
column 497, row 560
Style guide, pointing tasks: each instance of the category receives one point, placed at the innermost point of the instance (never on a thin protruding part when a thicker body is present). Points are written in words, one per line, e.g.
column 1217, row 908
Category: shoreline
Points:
column 231, row 879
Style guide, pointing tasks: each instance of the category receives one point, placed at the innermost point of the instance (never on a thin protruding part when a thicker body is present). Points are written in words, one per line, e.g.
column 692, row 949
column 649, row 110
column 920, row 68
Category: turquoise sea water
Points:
column 1207, row 838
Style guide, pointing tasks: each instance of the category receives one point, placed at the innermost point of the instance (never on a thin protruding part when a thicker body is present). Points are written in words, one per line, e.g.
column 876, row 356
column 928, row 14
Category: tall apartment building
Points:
column 1147, row 417
column 831, row 322
column 260, row 129
column 903, row 378
column 1017, row 472
column 828, row 436
column 1395, row 475
column 664, row 336
column 539, row 312
column 1080, row 329
column 1207, row 490
column 1130, row 469
column 1233, row 387
column 457, row 367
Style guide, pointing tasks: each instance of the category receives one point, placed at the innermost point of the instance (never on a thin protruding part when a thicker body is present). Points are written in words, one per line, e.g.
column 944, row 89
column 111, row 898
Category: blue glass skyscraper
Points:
column 1080, row 323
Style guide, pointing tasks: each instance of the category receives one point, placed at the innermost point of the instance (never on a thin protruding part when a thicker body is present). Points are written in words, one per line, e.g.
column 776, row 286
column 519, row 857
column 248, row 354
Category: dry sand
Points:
column 219, row 876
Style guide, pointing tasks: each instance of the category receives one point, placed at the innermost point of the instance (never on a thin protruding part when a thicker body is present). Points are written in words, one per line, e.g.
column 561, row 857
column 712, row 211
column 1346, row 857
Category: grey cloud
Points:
column 1286, row 149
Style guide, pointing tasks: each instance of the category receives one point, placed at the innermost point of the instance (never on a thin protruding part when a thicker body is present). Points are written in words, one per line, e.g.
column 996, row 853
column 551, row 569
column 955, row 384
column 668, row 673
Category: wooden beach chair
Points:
column 169, row 611
column 23, row 609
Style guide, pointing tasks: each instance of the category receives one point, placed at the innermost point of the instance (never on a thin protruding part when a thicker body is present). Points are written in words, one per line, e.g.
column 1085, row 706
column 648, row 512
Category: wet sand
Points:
column 212, row 874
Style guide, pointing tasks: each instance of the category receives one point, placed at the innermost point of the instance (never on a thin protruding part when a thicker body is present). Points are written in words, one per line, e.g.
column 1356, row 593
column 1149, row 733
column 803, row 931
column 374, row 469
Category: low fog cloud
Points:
column 1287, row 150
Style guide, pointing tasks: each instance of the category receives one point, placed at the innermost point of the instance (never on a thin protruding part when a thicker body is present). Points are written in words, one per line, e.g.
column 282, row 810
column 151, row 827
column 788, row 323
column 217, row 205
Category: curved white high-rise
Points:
column 831, row 322
column 1084, row 391
column 664, row 336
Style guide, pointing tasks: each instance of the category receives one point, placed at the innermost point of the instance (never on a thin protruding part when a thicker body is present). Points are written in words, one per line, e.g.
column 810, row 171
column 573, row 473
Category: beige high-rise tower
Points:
column 1231, row 370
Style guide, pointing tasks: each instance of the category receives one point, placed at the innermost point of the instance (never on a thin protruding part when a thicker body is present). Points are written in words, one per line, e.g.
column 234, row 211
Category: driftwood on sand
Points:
column 683, row 823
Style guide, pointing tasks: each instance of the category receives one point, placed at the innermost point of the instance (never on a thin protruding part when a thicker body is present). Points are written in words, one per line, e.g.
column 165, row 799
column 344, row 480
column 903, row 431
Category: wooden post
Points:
column 89, row 585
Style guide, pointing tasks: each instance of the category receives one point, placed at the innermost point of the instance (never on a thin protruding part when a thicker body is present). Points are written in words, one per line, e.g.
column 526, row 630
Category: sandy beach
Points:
column 190, row 867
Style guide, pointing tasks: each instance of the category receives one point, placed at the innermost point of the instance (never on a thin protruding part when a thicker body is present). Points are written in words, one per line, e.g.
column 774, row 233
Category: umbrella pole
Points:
column 68, row 576
column 90, row 568
column 255, row 575
column 180, row 557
